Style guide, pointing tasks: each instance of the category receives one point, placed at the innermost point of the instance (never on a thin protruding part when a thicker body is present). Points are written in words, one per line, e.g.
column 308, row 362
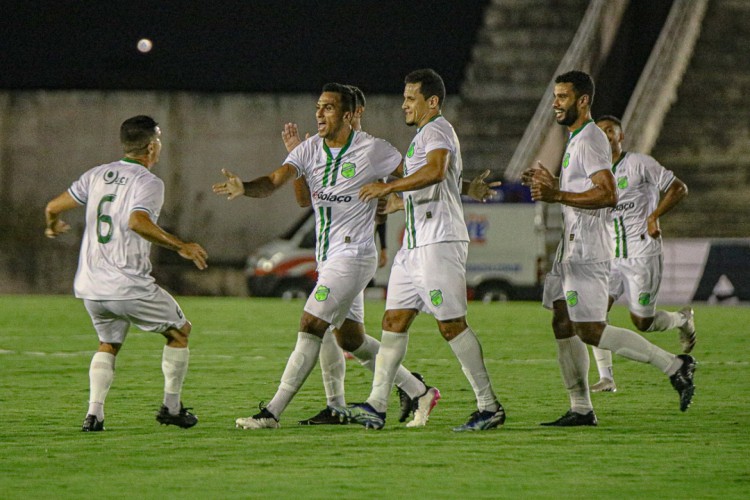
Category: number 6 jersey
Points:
column 114, row 261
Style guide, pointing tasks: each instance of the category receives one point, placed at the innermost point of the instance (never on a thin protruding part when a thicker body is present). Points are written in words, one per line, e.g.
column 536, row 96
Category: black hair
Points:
column 431, row 83
column 359, row 96
column 136, row 133
column 582, row 83
column 346, row 92
column 610, row 118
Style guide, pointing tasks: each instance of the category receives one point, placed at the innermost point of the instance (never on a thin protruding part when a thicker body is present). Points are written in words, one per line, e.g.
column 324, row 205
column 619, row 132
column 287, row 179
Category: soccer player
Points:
column 634, row 227
column 336, row 162
column 576, row 289
column 123, row 200
column 352, row 334
column 436, row 238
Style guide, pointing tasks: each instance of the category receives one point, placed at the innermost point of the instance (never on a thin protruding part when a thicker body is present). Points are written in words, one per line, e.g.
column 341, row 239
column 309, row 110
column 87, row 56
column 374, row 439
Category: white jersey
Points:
column 640, row 179
column 585, row 237
column 434, row 214
column 345, row 225
column 114, row 261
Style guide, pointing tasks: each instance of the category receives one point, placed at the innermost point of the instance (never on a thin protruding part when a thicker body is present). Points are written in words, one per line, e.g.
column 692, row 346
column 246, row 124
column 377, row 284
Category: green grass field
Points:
column 644, row 447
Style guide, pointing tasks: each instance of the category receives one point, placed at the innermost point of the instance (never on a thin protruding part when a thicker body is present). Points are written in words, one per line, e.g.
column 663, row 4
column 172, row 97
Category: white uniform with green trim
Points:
column 345, row 246
column 580, row 272
column 429, row 271
column 637, row 267
column 114, row 270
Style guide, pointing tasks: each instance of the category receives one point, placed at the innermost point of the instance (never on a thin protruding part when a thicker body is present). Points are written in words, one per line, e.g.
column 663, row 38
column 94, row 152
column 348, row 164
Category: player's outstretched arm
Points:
column 672, row 196
column 261, row 187
column 478, row 189
column 54, row 224
column 141, row 224
column 431, row 173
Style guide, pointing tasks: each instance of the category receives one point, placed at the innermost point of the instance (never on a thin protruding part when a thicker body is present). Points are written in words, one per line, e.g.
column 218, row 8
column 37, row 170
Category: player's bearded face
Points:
column 565, row 104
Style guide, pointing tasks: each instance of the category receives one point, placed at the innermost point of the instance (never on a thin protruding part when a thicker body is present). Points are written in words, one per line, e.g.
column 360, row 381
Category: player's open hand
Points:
column 233, row 187
column 290, row 136
column 373, row 190
column 57, row 227
column 393, row 203
column 194, row 252
column 480, row 190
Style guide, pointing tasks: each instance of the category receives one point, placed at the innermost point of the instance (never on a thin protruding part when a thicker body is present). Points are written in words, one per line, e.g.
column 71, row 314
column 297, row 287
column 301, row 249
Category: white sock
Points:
column 101, row 374
column 298, row 367
column 630, row 345
column 407, row 382
column 573, row 358
column 333, row 369
column 174, row 365
column 390, row 355
column 665, row 320
column 468, row 350
column 603, row 359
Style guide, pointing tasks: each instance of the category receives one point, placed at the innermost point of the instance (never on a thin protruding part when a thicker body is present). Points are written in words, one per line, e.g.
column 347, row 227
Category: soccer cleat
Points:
column 604, row 385
column 408, row 404
column 682, row 380
column 425, row 403
column 362, row 414
column 687, row 331
column 261, row 420
column 91, row 424
column 483, row 420
column 324, row 417
column 183, row 419
column 573, row 419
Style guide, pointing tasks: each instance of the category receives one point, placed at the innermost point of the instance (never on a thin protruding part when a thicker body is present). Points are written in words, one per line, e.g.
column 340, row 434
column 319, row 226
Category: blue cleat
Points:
column 362, row 414
column 483, row 420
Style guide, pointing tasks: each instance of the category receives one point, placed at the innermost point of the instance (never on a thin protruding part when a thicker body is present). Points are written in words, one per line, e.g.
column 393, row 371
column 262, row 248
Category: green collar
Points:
column 343, row 149
column 622, row 157
column 430, row 121
column 133, row 160
column 575, row 132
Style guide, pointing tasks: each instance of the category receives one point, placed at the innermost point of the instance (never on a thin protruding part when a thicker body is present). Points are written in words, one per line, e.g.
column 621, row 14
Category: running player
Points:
column 576, row 289
column 634, row 227
column 436, row 238
column 123, row 200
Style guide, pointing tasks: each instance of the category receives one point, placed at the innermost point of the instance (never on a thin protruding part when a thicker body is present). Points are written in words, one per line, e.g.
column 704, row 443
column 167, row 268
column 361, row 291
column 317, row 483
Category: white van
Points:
column 508, row 253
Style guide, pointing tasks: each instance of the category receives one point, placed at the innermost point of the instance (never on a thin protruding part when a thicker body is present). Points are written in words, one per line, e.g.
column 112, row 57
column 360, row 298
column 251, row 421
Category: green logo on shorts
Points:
column 348, row 170
column 566, row 160
column 622, row 182
column 321, row 293
column 644, row 298
column 436, row 297
column 572, row 298
column 410, row 151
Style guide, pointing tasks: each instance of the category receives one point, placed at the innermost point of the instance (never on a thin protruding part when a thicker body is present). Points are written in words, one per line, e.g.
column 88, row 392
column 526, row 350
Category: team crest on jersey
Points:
column 436, row 297
column 644, row 298
column 410, row 151
column 113, row 177
column 622, row 182
column 566, row 160
column 348, row 170
column 571, row 297
column 321, row 293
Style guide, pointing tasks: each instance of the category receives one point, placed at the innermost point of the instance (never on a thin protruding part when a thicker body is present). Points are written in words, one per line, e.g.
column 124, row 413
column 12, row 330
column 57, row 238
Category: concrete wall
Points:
column 48, row 138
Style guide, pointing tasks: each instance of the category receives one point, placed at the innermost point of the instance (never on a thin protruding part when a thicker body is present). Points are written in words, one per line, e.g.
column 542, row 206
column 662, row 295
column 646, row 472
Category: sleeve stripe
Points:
column 70, row 191
column 142, row 209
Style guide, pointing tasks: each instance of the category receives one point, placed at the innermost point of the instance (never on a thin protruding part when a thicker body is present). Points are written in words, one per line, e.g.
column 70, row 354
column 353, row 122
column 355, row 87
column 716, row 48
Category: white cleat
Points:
column 425, row 404
column 687, row 331
column 604, row 385
column 262, row 420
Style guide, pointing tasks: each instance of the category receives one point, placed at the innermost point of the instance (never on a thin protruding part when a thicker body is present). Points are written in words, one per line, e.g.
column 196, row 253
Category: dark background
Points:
column 228, row 46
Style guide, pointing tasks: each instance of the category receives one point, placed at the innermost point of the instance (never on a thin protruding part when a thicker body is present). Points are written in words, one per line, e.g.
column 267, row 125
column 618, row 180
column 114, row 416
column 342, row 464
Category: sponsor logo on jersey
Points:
column 436, row 297
column 321, row 293
column 566, row 160
column 113, row 177
column 334, row 198
column 410, row 151
column 622, row 182
column 348, row 170
column 622, row 206
column 571, row 297
column 644, row 298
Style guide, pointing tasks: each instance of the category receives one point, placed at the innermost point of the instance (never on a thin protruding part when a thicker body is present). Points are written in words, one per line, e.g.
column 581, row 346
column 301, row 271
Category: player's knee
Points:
column 452, row 328
column 398, row 321
column 312, row 324
column 350, row 336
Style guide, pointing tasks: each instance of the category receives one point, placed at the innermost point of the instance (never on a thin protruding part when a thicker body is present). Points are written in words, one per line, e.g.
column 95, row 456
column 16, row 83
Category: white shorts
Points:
column 337, row 293
column 583, row 287
column 153, row 313
column 430, row 279
column 638, row 278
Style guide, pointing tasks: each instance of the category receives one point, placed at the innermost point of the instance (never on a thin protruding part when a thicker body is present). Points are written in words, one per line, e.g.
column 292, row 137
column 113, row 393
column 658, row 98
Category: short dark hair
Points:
column 432, row 83
column 347, row 95
column 610, row 118
column 359, row 96
column 136, row 133
column 582, row 83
